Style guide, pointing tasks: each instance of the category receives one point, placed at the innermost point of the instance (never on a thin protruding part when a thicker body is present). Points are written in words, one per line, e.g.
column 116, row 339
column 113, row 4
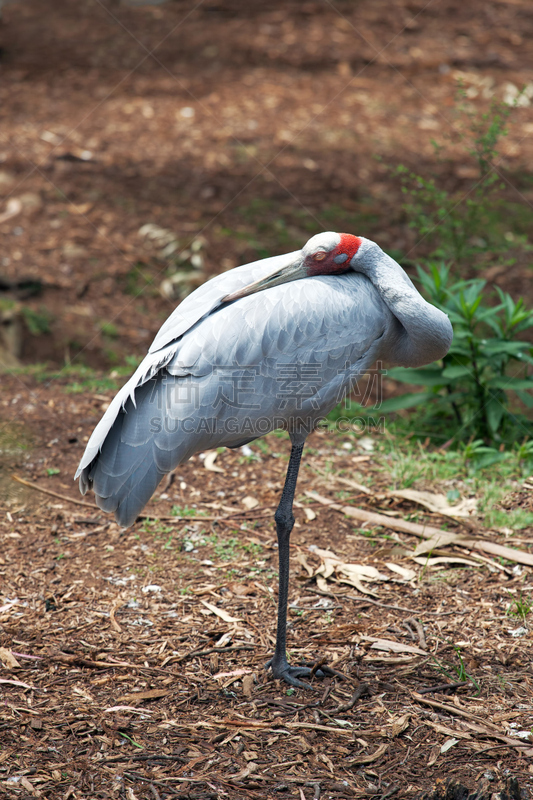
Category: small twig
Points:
column 419, row 629
column 134, row 757
column 316, row 666
column 394, row 608
column 65, row 658
column 177, row 518
column 154, row 791
column 114, row 624
column 441, row 687
column 210, row 650
column 361, row 690
column 53, row 494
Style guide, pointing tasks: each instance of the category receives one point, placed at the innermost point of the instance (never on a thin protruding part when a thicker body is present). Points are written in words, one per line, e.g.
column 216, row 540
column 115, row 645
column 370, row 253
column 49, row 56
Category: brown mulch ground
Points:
column 125, row 683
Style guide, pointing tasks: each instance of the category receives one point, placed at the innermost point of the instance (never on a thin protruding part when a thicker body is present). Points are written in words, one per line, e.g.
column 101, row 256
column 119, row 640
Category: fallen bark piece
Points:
column 138, row 697
column 209, row 461
column 382, row 749
column 438, row 503
column 66, row 658
column 219, row 612
column 389, row 646
column 426, row 531
column 8, row 659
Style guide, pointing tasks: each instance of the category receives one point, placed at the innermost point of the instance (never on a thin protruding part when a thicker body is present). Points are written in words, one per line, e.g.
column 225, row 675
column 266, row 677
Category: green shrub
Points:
column 472, row 392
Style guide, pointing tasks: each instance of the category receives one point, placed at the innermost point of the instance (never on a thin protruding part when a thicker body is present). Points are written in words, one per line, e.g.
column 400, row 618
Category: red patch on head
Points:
column 349, row 244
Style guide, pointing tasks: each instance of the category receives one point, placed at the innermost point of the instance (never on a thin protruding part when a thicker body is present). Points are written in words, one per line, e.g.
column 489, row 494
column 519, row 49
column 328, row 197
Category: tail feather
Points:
column 141, row 486
column 134, row 456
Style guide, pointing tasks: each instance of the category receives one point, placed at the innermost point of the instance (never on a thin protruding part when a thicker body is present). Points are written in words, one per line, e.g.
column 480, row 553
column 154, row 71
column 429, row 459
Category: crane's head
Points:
column 324, row 254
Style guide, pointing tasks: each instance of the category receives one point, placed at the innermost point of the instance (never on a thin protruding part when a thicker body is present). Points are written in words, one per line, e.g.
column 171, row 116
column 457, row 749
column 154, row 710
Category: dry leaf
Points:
column 407, row 574
column 352, row 574
column 324, row 553
column 310, row 514
column 79, row 209
column 136, row 697
column 209, row 461
column 301, row 559
column 449, row 743
column 382, row 749
column 245, row 773
column 236, row 673
column 394, row 647
column 250, row 502
column 433, row 755
column 438, row 503
column 8, row 659
column 220, row 613
column 431, row 562
column 439, row 540
column 16, row 683
column 13, row 207
column 242, row 589
column 29, row 786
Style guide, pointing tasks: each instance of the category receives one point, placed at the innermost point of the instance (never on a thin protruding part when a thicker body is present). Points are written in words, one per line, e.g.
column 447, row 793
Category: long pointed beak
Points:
column 292, row 272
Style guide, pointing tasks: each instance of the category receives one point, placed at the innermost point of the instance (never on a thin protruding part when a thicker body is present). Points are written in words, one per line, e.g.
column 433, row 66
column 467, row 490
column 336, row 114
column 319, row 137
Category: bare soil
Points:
column 252, row 125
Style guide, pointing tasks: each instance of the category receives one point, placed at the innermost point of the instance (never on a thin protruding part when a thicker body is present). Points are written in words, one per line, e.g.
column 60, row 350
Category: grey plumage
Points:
column 222, row 373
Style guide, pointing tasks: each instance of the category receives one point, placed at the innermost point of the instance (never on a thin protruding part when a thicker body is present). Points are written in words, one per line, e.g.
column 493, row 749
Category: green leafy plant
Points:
column 487, row 366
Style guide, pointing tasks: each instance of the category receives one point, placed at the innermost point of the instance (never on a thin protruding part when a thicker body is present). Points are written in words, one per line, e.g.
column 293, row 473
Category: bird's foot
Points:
column 283, row 671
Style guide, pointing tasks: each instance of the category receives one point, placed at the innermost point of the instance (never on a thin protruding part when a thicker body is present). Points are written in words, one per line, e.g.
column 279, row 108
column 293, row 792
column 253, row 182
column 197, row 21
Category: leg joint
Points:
column 284, row 518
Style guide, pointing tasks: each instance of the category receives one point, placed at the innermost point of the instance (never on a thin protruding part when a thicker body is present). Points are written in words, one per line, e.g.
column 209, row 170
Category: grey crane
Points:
column 271, row 344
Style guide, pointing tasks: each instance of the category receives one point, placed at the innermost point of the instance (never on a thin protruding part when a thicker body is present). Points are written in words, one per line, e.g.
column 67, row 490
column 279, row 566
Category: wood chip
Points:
column 8, row 659
column 220, row 612
column 375, row 756
column 209, row 461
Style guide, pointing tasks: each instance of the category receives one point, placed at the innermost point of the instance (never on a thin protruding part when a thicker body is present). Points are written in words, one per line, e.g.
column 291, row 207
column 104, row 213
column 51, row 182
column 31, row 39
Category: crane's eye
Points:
column 320, row 256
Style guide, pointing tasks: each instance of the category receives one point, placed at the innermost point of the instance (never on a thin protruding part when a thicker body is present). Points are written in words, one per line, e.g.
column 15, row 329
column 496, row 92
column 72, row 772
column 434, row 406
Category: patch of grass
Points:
column 520, row 607
column 37, row 322
column 186, row 511
column 139, row 280
column 226, row 550
column 155, row 527
column 80, row 377
column 457, row 672
column 253, row 548
column 14, row 439
column 405, row 461
column 108, row 329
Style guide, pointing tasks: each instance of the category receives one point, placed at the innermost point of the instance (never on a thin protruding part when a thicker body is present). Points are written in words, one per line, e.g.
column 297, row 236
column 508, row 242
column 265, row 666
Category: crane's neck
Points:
column 424, row 333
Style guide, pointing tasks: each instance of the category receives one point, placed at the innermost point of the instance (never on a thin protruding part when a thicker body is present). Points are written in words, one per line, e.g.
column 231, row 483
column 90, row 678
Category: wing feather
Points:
column 330, row 326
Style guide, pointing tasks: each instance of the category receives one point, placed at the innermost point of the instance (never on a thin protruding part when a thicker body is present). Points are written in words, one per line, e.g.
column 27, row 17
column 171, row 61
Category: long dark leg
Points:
column 284, row 524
